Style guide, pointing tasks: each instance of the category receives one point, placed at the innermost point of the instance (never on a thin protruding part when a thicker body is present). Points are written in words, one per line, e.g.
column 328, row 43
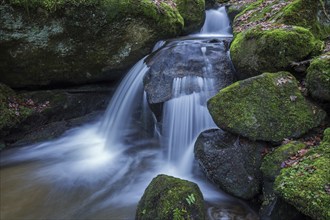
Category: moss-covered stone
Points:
column 54, row 42
column 255, row 51
column 12, row 108
column 272, row 162
column 191, row 20
column 268, row 107
column 318, row 77
column 310, row 14
column 168, row 197
column 305, row 185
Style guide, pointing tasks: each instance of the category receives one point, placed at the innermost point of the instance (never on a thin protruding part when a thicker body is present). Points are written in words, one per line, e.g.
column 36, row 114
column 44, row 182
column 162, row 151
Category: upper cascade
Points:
column 216, row 24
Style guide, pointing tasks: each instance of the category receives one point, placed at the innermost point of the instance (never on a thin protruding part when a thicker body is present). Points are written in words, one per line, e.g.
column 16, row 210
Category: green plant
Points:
column 191, row 199
column 178, row 214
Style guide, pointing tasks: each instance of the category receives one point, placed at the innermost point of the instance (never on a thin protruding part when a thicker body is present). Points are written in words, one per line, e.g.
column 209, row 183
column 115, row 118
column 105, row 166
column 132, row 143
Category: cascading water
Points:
column 100, row 170
column 118, row 117
column 216, row 23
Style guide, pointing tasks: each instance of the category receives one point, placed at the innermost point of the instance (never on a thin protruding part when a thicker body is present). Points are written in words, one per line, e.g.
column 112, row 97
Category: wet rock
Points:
column 318, row 78
column 231, row 162
column 58, row 110
column 48, row 131
column 267, row 107
column 191, row 57
column 168, row 197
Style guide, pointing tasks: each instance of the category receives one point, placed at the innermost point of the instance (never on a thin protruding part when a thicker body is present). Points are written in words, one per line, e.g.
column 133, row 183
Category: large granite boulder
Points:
column 63, row 42
column 267, row 107
column 168, row 197
column 231, row 162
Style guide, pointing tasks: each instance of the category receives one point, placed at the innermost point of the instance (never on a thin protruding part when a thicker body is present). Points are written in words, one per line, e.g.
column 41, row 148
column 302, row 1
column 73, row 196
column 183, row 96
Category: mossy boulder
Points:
column 305, row 184
column 318, row 77
column 267, row 107
column 273, row 162
column 168, row 197
column 52, row 42
column 310, row 14
column 218, row 153
column 256, row 50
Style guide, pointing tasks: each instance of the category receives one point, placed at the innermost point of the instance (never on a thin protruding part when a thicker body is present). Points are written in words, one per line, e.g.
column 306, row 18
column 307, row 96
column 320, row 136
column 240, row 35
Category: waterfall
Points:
column 100, row 170
column 186, row 114
column 127, row 98
column 216, row 23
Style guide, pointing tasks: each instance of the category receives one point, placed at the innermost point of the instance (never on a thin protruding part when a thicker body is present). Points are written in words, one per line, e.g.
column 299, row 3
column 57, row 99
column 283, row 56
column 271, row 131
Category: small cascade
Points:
column 216, row 23
column 185, row 115
column 116, row 125
column 100, row 170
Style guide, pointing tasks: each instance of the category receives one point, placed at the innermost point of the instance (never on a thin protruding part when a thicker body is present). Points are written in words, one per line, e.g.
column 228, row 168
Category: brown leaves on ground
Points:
column 295, row 159
column 244, row 22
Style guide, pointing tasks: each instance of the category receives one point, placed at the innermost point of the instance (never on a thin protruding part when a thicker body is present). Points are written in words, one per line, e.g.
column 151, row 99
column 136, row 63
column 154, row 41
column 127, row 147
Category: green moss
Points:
column 304, row 184
column 271, row 164
column 191, row 20
column 256, row 50
column 11, row 116
column 318, row 77
column 171, row 198
column 268, row 107
column 304, row 13
column 163, row 14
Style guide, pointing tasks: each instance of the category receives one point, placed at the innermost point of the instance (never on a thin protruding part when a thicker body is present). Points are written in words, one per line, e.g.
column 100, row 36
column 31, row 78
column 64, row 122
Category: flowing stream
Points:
column 100, row 170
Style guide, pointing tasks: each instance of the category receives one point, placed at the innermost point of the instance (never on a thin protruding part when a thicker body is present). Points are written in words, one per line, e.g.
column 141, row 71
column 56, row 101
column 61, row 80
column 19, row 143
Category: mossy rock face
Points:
column 305, row 185
column 193, row 13
column 63, row 42
column 318, row 78
column 268, row 107
column 169, row 198
column 272, row 162
column 255, row 51
column 216, row 151
column 13, row 109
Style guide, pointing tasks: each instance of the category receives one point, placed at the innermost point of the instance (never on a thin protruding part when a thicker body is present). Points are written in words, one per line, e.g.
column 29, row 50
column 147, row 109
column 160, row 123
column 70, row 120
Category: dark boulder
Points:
column 231, row 162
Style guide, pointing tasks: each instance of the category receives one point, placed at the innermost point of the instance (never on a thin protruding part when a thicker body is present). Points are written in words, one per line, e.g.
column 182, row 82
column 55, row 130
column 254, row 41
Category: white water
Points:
column 216, row 23
column 127, row 98
column 100, row 170
column 184, row 117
